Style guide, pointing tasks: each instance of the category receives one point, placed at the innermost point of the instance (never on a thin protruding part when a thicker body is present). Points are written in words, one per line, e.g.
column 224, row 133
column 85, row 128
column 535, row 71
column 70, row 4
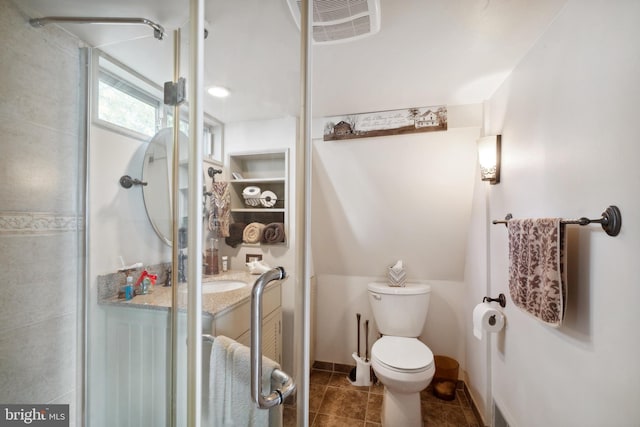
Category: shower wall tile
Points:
column 38, row 168
column 39, row 71
column 40, row 277
column 38, row 361
column 39, row 222
column 68, row 399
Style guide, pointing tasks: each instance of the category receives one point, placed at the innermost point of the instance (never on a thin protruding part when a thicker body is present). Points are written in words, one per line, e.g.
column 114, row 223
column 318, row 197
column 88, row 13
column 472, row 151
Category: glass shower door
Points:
column 130, row 273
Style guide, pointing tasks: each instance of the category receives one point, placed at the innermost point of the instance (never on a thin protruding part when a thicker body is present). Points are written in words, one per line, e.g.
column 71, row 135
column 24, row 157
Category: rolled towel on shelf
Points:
column 252, row 233
column 273, row 233
column 235, row 234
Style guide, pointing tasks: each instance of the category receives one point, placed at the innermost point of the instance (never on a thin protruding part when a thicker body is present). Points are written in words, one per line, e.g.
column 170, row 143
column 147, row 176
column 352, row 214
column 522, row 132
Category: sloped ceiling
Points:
column 428, row 51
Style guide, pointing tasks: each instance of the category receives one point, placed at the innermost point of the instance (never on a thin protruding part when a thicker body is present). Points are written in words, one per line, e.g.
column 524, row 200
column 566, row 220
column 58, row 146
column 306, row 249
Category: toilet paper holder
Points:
column 501, row 299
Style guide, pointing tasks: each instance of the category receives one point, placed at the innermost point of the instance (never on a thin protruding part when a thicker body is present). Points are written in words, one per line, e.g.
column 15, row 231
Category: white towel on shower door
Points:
column 230, row 401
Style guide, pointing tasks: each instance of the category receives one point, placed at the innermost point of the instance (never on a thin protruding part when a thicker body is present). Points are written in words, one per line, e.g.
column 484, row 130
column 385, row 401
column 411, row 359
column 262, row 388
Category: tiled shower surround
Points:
column 40, row 222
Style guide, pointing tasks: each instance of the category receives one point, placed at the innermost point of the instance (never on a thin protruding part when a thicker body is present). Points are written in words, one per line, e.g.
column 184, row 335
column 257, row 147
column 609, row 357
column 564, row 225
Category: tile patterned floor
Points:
column 334, row 402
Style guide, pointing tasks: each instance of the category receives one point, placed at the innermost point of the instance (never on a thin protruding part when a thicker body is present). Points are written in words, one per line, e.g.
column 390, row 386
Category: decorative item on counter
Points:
column 251, row 195
column 127, row 291
column 235, row 234
column 145, row 283
column 144, row 287
column 396, row 275
column 225, row 263
column 268, row 199
column 252, row 232
column 220, row 208
column 258, row 267
column 273, row 233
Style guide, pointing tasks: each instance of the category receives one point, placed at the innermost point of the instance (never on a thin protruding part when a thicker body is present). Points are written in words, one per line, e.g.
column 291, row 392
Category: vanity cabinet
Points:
column 135, row 383
column 235, row 323
column 267, row 170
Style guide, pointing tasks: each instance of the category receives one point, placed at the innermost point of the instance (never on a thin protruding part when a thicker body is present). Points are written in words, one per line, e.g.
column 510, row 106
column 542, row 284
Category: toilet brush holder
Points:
column 363, row 372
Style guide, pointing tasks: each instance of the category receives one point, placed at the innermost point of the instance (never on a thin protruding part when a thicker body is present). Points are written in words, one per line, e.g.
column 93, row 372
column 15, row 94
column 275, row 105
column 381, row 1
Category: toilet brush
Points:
column 352, row 373
column 363, row 365
column 366, row 340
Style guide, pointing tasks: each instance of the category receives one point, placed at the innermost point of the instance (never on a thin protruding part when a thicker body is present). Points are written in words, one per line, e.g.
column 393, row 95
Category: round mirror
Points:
column 156, row 171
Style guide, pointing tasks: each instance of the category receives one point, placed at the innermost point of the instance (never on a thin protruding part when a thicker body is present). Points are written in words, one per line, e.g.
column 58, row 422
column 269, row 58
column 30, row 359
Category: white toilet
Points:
column 402, row 363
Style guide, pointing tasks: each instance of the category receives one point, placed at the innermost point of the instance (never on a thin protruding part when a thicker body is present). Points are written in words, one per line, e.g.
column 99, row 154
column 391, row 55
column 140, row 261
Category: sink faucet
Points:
column 181, row 271
column 167, row 278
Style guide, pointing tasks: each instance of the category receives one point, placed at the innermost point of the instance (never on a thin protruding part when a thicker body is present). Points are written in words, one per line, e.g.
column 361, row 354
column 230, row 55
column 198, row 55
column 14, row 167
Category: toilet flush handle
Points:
column 376, row 296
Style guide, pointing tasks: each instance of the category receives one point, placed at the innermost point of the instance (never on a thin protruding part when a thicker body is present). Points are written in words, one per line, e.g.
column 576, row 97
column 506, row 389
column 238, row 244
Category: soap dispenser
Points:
column 128, row 289
column 212, row 257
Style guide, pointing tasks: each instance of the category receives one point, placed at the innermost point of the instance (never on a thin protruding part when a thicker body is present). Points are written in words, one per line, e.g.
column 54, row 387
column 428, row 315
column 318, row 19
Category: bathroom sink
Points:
column 217, row 286
column 222, row 286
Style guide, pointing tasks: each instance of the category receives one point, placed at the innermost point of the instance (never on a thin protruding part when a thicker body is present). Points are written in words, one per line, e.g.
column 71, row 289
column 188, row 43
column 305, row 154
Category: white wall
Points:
column 254, row 136
column 477, row 287
column 119, row 225
column 568, row 117
column 377, row 200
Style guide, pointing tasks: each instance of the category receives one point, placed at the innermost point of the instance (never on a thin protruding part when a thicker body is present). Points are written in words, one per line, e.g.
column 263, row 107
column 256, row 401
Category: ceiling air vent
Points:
column 336, row 21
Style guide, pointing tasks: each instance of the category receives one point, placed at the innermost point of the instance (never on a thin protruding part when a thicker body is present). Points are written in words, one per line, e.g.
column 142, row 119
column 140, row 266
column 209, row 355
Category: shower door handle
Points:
column 286, row 383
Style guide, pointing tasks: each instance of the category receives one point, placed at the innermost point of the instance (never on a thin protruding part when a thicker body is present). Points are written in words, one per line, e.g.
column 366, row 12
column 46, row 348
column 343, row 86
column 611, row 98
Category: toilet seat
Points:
column 402, row 354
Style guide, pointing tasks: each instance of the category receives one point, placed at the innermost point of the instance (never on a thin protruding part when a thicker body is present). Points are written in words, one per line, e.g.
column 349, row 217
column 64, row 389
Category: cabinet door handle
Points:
column 287, row 386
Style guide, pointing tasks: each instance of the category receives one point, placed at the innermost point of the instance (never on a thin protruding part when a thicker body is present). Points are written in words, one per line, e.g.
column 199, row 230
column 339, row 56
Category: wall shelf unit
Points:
column 267, row 170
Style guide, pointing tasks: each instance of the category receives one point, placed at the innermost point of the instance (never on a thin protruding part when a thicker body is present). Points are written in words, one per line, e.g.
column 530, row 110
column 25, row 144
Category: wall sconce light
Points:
column 489, row 157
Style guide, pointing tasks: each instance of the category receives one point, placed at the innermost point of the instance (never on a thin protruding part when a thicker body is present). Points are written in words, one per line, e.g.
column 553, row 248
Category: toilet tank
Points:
column 399, row 311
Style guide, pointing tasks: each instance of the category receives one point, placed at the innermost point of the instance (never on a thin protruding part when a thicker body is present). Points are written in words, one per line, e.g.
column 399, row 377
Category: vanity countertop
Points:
column 212, row 303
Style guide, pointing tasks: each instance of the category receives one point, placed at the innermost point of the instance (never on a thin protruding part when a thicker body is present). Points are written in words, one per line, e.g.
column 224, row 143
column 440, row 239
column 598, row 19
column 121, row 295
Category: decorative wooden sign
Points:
column 383, row 123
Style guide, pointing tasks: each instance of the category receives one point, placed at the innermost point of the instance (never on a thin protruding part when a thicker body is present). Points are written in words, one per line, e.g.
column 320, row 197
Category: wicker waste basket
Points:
column 445, row 380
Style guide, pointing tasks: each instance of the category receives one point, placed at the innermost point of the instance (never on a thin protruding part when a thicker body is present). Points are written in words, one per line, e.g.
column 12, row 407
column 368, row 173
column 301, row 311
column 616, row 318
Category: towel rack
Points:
column 611, row 220
column 212, row 173
column 286, row 382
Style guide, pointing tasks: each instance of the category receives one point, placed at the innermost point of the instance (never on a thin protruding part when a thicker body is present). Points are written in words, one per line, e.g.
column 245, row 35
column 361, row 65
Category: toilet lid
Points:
column 402, row 353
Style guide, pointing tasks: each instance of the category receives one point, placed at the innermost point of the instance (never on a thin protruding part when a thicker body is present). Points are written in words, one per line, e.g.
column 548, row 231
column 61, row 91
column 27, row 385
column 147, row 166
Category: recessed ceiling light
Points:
column 218, row 91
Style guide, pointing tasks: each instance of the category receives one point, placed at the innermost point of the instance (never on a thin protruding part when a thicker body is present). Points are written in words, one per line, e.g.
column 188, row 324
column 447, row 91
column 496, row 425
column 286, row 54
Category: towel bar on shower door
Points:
column 287, row 387
column 277, row 375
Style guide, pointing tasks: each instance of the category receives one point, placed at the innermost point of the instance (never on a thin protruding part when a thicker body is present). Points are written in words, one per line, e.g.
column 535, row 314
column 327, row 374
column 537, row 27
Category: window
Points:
column 121, row 104
column 129, row 103
column 212, row 138
column 126, row 101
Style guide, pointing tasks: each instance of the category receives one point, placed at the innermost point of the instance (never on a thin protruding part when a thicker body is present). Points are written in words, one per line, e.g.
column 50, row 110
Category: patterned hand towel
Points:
column 220, row 208
column 537, row 277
